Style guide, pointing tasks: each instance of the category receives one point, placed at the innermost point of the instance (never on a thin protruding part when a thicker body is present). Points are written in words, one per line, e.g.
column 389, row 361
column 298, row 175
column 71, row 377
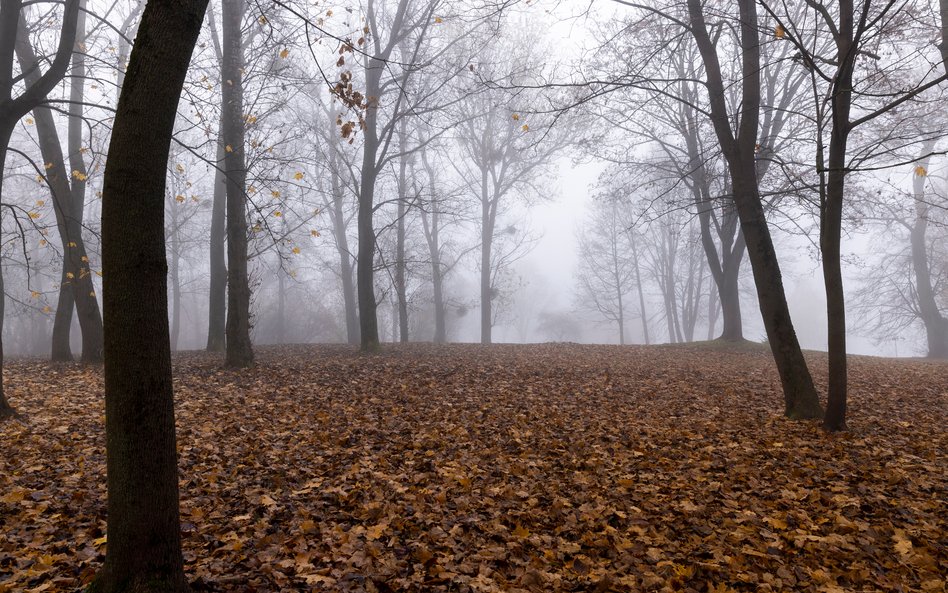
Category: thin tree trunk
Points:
column 281, row 307
column 144, row 552
column 831, row 224
column 342, row 247
column 639, row 289
column 217, row 297
column 365, row 274
column 936, row 325
column 401, row 289
column 175, row 282
column 6, row 130
column 239, row 349
column 487, row 240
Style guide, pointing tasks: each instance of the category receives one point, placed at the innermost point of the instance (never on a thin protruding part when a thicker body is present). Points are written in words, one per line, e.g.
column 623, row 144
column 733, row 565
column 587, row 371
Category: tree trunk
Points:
column 281, row 307
column 730, row 295
column 144, row 552
column 831, row 224
column 6, row 130
column 401, row 289
column 936, row 325
column 487, row 240
column 800, row 397
column 365, row 274
column 639, row 289
column 342, row 247
column 239, row 349
column 217, row 297
column 76, row 286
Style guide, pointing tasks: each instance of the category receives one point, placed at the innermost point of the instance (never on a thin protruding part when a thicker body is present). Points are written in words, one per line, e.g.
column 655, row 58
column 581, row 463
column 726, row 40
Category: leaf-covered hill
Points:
column 504, row 468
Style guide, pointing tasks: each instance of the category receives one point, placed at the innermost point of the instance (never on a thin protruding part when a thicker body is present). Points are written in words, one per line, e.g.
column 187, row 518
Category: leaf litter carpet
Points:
column 464, row 468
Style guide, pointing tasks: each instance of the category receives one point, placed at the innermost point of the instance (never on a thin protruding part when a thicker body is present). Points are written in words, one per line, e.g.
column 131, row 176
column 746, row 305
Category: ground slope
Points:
column 504, row 468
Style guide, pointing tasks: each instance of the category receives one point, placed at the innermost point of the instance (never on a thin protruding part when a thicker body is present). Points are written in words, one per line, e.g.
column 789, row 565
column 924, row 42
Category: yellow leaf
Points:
column 376, row 531
column 179, row 198
column 278, row 214
column 298, row 176
column 257, row 228
column 229, row 148
column 100, row 541
column 34, row 294
column 48, row 166
column 84, row 258
column 92, row 293
column 34, row 215
column 296, row 250
column 179, row 168
column 275, row 194
column 79, row 175
column 46, row 309
column 262, row 20
column 40, row 202
column 29, row 121
column 516, row 117
column 921, row 171
column 70, row 275
column 779, row 32
column 438, row 20
column 42, row 242
column 314, row 233
column 251, row 190
column 71, row 244
column 525, row 128
column 285, row 53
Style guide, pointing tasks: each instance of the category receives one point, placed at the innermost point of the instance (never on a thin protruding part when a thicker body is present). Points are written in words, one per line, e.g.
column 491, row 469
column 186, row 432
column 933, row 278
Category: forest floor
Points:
column 553, row 467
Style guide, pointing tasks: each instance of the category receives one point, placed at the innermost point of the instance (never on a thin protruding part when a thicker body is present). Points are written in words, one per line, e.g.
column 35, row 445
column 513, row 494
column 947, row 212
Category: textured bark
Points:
column 431, row 225
column 401, row 288
column 341, row 239
column 488, row 220
column 239, row 349
column 144, row 552
column 800, row 397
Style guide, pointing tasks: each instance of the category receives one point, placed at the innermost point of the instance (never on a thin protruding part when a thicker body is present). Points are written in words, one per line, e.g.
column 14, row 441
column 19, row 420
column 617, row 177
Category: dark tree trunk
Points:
column 936, row 325
column 800, row 397
column 365, row 273
column 6, row 129
column 639, row 288
column 831, row 223
column 217, row 297
column 144, row 552
column 239, row 349
column 730, row 296
column 76, row 288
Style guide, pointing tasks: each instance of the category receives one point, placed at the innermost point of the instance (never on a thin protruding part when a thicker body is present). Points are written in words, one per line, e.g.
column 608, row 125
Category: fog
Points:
column 505, row 148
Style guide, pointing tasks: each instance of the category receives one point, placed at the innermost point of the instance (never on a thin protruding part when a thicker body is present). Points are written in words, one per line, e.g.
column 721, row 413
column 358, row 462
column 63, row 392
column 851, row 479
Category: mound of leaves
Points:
column 507, row 468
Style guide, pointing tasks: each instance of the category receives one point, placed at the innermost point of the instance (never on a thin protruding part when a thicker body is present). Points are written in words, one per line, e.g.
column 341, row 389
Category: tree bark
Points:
column 831, row 222
column 68, row 195
column 239, row 349
column 800, row 398
column 341, row 239
column 488, row 216
column 144, row 552
column 365, row 272
column 936, row 325
column 6, row 130
column 217, row 297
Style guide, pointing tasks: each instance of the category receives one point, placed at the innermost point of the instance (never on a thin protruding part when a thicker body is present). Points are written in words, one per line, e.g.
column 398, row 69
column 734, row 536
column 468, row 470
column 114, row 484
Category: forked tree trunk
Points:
column 239, row 349
column 68, row 195
column 800, row 397
column 144, row 552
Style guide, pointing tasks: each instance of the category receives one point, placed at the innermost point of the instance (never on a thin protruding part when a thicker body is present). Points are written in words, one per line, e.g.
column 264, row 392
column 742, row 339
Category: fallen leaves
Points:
column 523, row 469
